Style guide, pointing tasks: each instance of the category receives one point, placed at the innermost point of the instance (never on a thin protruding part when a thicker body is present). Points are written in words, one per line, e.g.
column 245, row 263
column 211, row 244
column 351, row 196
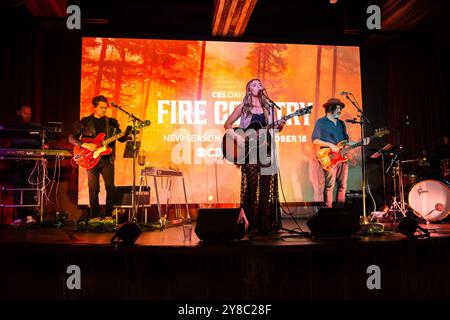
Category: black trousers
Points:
column 106, row 169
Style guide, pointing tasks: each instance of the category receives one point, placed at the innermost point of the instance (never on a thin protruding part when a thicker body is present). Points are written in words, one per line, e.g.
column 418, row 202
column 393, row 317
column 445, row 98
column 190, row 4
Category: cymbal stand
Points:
column 399, row 193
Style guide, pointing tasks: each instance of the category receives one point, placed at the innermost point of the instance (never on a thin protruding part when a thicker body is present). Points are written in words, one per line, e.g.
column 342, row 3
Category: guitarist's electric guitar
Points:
column 329, row 159
column 89, row 159
column 253, row 136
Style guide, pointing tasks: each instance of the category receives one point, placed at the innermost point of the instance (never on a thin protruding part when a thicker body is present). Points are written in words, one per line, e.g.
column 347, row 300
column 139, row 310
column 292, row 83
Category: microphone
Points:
column 351, row 120
column 114, row 105
column 344, row 93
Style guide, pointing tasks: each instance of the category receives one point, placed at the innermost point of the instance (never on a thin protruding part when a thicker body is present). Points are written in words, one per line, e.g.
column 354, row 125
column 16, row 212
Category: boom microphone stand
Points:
column 135, row 126
column 273, row 105
column 362, row 122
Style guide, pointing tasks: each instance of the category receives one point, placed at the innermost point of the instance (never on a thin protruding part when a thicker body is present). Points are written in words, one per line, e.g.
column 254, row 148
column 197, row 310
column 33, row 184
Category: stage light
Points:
column 408, row 227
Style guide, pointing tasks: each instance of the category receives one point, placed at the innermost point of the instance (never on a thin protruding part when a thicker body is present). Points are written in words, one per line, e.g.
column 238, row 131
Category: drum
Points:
column 430, row 199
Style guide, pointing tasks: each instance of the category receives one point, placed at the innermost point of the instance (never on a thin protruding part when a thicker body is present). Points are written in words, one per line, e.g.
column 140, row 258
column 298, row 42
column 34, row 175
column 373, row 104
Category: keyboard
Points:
column 33, row 153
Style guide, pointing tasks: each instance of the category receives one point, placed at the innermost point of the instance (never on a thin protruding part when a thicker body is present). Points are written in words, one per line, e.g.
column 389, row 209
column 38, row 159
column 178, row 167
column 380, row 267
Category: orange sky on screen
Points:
column 137, row 73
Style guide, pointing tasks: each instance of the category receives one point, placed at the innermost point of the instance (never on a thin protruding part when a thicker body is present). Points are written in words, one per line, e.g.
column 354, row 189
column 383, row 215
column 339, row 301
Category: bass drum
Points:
column 430, row 199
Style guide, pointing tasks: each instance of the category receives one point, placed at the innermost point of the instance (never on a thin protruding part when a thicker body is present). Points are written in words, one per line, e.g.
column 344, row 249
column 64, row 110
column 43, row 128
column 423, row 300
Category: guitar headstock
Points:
column 305, row 110
column 299, row 112
column 381, row 132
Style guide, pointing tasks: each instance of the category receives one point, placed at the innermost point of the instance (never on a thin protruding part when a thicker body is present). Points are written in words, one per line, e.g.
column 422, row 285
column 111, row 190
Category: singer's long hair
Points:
column 248, row 105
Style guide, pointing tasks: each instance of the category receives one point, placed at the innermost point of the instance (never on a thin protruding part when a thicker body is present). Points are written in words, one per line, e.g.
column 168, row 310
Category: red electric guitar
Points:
column 329, row 159
column 88, row 159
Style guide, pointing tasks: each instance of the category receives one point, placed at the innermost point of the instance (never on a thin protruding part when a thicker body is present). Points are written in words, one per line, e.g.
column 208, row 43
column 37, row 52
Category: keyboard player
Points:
column 21, row 170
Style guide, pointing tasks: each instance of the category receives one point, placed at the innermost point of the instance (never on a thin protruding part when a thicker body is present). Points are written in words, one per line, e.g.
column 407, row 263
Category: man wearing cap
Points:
column 328, row 132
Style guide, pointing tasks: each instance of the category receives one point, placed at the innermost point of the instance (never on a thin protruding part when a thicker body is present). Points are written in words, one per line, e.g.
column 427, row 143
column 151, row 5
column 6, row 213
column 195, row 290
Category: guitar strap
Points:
column 107, row 127
column 266, row 115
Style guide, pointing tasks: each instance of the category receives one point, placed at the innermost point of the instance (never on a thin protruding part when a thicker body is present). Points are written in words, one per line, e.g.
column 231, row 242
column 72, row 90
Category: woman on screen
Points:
column 259, row 179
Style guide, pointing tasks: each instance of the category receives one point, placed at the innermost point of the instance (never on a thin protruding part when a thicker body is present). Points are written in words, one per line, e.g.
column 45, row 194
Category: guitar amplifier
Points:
column 123, row 195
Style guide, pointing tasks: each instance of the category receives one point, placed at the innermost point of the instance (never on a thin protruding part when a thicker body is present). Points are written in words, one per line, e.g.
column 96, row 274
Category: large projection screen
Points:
column 188, row 88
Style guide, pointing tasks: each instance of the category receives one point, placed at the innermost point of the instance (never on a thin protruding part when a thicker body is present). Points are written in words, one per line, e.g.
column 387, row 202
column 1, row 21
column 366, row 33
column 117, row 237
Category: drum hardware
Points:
column 398, row 200
column 382, row 153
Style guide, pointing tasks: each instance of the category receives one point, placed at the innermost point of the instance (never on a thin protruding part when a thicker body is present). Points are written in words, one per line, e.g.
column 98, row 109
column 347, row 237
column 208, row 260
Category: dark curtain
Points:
column 21, row 65
column 40, row 67
column 417, row 74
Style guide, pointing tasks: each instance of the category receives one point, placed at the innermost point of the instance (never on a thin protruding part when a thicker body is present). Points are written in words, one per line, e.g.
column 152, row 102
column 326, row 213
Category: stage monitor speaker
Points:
column 127, row 234
column 220, row 224
column 334, row 223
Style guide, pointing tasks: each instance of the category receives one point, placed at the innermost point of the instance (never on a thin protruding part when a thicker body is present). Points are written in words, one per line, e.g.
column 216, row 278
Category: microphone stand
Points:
column 363, row 121
column 273, row 105
column 132, row 117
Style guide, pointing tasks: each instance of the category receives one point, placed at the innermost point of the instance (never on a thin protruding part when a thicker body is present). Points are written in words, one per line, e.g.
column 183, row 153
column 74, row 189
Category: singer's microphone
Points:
column 113, row 104
column 350, row 120
column 344, row 93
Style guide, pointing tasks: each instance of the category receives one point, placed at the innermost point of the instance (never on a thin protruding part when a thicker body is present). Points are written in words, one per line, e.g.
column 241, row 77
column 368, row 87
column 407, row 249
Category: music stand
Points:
column 128, row 151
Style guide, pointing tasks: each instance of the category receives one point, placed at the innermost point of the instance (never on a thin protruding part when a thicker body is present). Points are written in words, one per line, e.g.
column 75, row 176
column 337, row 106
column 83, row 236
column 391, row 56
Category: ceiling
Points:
column 263, row 20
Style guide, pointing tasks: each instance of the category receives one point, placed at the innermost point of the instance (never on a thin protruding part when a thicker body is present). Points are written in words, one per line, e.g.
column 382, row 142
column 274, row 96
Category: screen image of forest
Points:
column 187, row 89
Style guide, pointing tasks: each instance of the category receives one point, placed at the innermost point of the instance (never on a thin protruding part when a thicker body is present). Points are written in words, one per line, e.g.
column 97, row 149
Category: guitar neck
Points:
column 113, row 138
column 358, row 144
column 272, row 125
column 297, row 113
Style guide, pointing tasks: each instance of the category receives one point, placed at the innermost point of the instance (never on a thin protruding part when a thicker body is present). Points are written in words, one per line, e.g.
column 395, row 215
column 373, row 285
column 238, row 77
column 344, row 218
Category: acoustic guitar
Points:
column 254, row 138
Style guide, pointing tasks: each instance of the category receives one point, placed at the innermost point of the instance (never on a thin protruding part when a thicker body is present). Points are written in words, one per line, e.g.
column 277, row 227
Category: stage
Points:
column 161, row 266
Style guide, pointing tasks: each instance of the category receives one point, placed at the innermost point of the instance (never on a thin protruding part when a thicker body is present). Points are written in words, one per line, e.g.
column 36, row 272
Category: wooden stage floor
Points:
column 161, row 266
column 173, row 236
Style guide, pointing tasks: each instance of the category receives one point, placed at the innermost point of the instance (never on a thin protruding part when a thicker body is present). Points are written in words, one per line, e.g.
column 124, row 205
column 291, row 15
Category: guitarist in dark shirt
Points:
column 90, row 127
column 328, row 132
